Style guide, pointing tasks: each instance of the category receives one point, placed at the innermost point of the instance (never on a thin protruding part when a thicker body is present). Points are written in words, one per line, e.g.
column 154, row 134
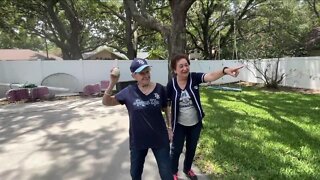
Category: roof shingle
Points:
column 24, row 55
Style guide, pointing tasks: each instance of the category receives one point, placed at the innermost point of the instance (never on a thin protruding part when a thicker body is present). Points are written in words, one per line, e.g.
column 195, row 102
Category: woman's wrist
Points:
column 107, row 92
column 223, row 70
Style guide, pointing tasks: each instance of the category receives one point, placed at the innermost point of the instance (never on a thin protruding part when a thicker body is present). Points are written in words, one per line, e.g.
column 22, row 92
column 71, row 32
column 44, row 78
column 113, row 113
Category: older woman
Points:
column 186, row 109
column 144, row 101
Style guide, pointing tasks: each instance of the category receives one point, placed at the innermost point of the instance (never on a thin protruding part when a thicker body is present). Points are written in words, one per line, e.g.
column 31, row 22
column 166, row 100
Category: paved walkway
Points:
column 71, row 139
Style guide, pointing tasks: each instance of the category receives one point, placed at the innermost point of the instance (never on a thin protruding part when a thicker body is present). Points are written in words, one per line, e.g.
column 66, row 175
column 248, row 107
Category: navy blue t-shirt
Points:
column 147, row 126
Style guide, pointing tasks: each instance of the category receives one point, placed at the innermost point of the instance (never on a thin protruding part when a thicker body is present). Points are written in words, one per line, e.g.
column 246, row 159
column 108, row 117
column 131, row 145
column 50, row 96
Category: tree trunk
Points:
column 131, row 47
column 75, row 51
column 178, row 27
column 65, row 54
column 76, row 28
column 177, row 39
column 71, row 40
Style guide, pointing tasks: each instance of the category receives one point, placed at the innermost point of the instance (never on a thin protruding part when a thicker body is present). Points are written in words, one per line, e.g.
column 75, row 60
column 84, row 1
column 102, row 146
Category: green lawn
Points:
column 256, row 134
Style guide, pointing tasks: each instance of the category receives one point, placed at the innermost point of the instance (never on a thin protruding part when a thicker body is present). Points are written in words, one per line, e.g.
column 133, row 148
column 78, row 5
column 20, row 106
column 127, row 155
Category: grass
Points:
column 256, row 134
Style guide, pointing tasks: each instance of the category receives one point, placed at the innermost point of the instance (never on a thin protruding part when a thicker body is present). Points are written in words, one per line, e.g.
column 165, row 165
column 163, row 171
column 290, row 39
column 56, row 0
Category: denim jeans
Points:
column 162, row 156
column 190, row 134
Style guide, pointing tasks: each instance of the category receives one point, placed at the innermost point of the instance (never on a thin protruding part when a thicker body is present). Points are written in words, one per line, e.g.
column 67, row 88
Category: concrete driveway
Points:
column 67, row 139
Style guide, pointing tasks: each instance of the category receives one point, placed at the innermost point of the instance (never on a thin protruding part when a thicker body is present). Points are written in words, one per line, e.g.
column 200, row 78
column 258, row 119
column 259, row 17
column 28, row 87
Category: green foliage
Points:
column 12, row 35
column 143, row 39
column 312, row 7
column 150, row 40
column 255, row 28
column 278, row 30
column 157, row 54
column 21, row 41
column 259, row 134
column 153, row 43
column 73, row 26
column 205, row 21
column 111, row 25
column 217, row 25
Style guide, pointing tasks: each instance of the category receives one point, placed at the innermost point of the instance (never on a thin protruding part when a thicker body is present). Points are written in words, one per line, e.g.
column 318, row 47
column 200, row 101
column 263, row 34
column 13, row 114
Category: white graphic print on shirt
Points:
column 153, row 101
column 185, row 100
column 187, row 112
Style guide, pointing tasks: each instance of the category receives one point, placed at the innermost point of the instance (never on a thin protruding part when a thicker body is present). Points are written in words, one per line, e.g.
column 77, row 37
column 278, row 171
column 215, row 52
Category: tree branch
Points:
column 146, row 20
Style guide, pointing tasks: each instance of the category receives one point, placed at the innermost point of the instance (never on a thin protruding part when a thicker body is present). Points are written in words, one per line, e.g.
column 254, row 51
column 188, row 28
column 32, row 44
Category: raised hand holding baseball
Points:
column 114, row 74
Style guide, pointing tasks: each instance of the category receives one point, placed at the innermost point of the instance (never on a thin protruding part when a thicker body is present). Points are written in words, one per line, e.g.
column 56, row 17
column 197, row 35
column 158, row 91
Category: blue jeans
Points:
column 162, row 156
column 191, row 135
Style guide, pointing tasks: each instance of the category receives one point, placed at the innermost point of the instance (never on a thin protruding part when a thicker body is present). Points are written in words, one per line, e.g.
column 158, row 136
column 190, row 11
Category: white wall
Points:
column 209, row 66
column 87, row 72
column 2, row 74
column 21, row 71
column 302, row 72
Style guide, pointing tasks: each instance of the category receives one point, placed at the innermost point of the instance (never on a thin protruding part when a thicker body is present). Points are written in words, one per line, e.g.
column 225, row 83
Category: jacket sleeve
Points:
column 169, row 90
column 164, row 96
column 198, row 77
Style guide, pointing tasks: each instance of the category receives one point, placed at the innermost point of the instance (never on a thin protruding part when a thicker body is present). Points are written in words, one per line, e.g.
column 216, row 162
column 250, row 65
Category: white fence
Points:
column 74, row 75
column 302, row 72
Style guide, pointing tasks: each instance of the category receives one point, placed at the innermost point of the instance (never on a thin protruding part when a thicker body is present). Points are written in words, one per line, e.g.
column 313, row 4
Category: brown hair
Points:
column 176, row 58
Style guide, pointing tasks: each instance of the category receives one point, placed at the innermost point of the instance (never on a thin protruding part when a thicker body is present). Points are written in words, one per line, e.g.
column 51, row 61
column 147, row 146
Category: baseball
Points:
column 115, row 72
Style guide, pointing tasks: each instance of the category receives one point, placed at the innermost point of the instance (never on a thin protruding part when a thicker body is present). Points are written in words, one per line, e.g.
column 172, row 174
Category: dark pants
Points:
column 162, row 156
column 190, row 134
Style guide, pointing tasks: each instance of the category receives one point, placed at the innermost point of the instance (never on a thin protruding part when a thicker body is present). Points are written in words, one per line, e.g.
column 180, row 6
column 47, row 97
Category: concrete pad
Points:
column 71, row 139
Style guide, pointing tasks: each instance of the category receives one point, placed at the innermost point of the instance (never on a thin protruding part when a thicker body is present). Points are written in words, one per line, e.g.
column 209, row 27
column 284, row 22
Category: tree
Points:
column 278, row 29
column 212, row 25
column 123, row 34
column 314, row 6
column 204, row 26
column 21, row 40
column 71, row 25
column 173, row 32
column 128, row 36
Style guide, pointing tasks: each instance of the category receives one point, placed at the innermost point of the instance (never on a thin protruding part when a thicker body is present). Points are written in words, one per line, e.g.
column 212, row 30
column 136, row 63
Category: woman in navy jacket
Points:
column 186, row 109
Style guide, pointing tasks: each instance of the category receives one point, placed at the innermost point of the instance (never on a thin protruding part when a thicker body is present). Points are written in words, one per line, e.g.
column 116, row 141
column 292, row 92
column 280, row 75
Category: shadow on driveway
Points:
column 69, row 139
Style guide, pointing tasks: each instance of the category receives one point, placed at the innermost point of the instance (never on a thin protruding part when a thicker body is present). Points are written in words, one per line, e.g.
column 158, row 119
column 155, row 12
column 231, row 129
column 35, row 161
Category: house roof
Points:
column 114, row 55
column 24, row 55
column 149, row 55
column 88, row 54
